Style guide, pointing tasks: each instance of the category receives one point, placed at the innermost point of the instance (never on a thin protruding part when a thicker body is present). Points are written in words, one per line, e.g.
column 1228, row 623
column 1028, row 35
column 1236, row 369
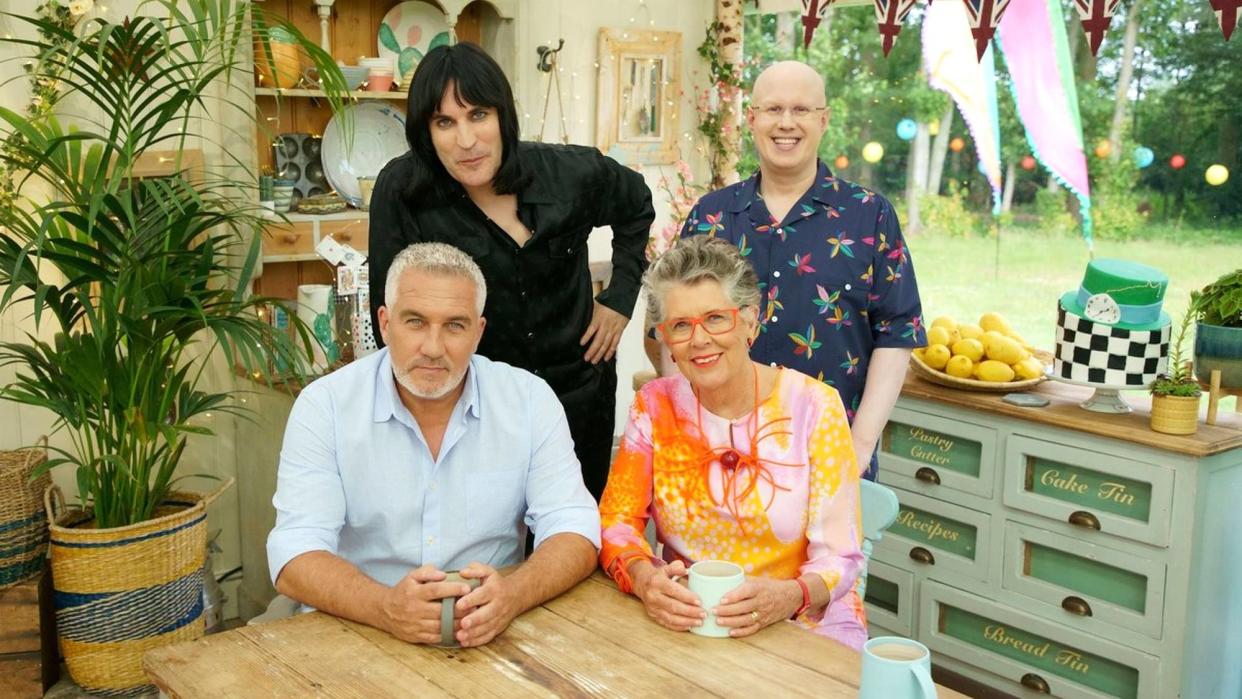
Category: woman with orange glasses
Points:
column 734, row 461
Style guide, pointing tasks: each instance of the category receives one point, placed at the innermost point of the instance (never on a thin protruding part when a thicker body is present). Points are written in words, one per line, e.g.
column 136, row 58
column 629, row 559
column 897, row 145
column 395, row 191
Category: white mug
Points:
column 710, row 580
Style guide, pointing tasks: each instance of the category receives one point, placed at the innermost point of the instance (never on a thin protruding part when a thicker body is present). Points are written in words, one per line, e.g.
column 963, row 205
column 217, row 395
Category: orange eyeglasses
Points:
column 717, row 322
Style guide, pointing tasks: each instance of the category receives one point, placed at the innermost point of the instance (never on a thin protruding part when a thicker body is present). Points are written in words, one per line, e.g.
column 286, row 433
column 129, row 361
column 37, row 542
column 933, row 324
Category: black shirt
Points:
column 539, row 296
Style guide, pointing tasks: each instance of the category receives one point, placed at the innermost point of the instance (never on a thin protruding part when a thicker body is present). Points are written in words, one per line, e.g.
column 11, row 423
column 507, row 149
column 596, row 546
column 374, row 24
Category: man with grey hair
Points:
column 840, row 300
column 424, row 458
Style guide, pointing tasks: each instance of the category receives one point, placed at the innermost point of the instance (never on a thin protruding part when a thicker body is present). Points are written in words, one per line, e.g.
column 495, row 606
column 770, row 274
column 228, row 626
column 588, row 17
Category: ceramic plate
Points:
column 379, row 136
column 408, row 32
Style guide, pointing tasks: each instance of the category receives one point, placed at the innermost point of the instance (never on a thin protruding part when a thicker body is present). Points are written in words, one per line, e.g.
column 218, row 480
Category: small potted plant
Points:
column 1218, row 336
column 1175, row 395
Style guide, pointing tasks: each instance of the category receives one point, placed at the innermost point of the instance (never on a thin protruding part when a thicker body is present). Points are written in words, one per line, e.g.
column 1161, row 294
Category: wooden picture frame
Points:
column 639, row 100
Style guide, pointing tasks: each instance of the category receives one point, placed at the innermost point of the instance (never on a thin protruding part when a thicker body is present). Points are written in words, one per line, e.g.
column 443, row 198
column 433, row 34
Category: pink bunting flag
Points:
column 889, row 14
column 1226, row 13
column 984, row 16
column 813, row 12
column 1096, row 16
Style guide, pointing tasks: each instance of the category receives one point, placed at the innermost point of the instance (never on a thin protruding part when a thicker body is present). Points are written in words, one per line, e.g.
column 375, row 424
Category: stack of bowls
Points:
column 282, row 194
column 354, row 76
column 379, row 73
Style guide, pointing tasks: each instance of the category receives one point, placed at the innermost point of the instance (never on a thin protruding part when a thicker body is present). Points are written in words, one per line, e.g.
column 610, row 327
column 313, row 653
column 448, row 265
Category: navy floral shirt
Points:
column 835, row 274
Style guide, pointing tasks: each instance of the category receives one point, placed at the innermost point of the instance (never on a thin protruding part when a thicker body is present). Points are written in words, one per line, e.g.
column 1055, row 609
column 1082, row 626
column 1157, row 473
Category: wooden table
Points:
column 592, row 641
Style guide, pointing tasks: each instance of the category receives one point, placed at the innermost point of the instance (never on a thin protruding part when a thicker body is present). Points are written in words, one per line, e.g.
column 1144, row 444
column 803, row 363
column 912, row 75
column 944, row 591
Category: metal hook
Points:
column 547, row 56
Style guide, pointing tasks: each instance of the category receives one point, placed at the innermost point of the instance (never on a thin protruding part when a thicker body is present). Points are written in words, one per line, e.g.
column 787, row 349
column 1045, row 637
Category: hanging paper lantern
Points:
column 1177, row 162
column 1028, row 163
column 984, row 16
column 813, row 12
column 1216, row 175
column 1102, row 149
column 933, row 128
column 907, row 129
column 1143, row 156
column 841, row 162
column 889, row 14
column 1227, row 15
column 872, row 152
column 956, row 145
column 1096, row 15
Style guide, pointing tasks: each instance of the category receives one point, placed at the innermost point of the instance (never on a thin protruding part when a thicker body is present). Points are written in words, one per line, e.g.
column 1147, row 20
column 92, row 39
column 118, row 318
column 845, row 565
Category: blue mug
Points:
column 896, row 668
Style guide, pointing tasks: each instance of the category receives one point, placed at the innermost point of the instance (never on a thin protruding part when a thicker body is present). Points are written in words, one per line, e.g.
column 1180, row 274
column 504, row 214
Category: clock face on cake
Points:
column 1102, row 309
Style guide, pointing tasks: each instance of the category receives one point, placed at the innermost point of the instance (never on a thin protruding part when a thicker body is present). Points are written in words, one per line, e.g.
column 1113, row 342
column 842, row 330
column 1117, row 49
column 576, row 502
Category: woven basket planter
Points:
column 1174, row 414
column 122, row 591
column 23, row 521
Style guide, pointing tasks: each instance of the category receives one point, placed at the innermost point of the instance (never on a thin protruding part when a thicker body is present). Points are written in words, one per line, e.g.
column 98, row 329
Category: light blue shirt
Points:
column 357, row 478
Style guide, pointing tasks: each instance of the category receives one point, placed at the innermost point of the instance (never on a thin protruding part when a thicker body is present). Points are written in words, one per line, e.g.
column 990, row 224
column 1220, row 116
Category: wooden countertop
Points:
column 1064, row 411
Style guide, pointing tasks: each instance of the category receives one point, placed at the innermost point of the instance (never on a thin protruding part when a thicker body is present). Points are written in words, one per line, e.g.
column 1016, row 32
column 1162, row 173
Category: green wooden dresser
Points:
column 1058, row 551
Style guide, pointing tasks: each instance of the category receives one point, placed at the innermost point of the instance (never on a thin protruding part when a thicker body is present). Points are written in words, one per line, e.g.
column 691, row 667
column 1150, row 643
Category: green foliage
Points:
column 1179, row 381
column 1051, row 211
column 142, row 281
column 1115, row 203
column 948, row 215
column 1220, row 303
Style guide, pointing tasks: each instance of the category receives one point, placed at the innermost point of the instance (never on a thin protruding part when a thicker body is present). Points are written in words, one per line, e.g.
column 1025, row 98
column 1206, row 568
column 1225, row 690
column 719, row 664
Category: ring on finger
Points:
column 754, row 617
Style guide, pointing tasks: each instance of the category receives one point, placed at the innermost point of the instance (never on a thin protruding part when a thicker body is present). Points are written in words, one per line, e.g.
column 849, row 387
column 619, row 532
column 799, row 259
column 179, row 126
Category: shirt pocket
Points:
column 567, row 245
column 846, row 284
column 496, row 503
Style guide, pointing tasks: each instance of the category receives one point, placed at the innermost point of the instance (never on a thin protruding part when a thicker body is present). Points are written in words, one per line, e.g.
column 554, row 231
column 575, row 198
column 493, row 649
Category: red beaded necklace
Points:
column 740, row 473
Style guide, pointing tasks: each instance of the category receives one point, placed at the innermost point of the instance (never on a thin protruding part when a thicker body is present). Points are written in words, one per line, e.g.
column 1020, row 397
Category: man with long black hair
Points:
column 523, row 211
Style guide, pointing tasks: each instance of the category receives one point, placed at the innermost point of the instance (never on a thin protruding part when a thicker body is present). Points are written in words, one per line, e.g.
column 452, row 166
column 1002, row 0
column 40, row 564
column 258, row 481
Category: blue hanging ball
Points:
column 907, row 129
column 983, row 170
column 1143, row 156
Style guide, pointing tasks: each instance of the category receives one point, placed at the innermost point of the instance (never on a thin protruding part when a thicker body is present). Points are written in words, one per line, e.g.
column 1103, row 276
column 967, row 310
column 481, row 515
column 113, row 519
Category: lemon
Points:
column 970, row 331
column 939, row 336
column 959, row 366
column 970, row 349
column 995, row 321
column 936, row 356
column 994, row 371
column 1005, row 350
column 989, row 337
column 1029, row 368
column 945, row 322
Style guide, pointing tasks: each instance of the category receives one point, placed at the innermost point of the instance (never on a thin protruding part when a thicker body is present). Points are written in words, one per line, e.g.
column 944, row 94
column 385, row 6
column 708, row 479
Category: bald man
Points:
column 840, row 300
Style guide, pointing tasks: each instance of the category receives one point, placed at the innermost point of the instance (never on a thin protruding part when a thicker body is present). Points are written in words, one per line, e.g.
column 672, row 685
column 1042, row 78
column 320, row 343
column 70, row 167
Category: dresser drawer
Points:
column 937, row 457
column 289, row 239
column 938, row 539
column 1089, row 491
column 890, row 598
column 352, row 232
column 1082, row 585
column 1030, row 651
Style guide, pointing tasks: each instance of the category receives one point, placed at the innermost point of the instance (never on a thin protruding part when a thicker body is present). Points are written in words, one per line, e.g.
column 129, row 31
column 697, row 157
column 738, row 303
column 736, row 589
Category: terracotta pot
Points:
column 286, row 61
column 1175, row 414
column 1218, row 347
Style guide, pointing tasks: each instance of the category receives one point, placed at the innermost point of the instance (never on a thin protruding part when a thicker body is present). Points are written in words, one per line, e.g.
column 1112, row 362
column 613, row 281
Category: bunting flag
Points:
column 1226, row 14
column 1036, row 50
column 1096, row 16
column 984, row 16
column 946, row 57
column 813, row 12
column 889, row 14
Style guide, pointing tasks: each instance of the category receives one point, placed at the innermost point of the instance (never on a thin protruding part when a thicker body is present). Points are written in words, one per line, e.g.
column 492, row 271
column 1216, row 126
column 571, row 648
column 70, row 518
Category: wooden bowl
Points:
column 939, row 377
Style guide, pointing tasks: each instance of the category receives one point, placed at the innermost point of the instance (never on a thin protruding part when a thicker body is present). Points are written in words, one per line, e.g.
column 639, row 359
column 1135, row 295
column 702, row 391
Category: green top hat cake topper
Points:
column 1120, row 293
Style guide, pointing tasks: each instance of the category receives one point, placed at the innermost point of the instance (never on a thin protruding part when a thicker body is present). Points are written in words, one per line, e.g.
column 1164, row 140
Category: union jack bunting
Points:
column 1096, row 16
column 813, row 11
column 1226, row 13
column 984, row 16
column 889, row 14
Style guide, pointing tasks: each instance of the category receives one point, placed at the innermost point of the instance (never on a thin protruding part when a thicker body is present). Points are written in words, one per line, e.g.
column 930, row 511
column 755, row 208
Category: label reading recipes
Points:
column 1089, row 489
column 931, row 529
column 1096, row 672
column 935, row 449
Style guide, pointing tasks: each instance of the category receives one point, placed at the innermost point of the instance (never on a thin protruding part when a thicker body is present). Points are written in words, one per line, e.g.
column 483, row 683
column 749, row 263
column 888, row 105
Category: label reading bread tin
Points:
column 936, row 531
column 1092, row 490
column 935, row 449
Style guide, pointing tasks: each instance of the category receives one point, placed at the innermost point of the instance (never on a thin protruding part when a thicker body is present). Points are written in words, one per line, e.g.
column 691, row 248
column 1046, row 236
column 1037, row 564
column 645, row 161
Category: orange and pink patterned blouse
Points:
column 797, row 512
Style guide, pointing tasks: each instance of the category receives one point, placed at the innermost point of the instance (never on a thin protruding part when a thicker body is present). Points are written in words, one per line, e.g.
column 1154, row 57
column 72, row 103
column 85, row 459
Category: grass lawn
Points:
column 961, row 277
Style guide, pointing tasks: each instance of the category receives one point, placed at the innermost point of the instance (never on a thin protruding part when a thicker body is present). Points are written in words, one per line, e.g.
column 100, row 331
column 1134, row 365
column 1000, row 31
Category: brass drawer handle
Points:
column 922, row 555
column 928, row 475
column 1076, row 605
column 1032, row 681
column 289, row 238
column 343, row 237
column 1084, row 519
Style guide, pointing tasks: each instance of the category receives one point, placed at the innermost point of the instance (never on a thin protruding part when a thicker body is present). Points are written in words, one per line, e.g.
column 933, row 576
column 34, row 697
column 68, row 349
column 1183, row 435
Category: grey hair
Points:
column 438, row 258
column 696, row 259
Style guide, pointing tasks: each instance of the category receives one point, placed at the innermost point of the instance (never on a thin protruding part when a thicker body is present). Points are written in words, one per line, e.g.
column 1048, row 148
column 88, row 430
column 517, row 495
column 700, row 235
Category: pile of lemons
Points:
column 990, row 351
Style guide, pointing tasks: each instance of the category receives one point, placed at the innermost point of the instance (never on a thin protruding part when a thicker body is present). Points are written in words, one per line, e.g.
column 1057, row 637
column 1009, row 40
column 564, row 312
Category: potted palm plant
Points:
column 1218, row 336
column 1175, row 394
column 135, row 286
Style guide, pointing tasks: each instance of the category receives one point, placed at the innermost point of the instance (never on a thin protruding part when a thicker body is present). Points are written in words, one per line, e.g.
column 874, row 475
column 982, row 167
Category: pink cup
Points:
column 379, row 80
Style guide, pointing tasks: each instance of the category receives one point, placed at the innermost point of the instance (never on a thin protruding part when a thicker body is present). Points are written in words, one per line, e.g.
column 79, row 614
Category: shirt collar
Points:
column 748, row 192
column 387, row 400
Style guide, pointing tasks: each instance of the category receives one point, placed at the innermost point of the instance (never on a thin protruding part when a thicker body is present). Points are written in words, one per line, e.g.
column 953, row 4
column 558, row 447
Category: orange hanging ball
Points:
column 1102, row 149
column 956, row 145
column 1028, row 163
column 841, row 162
